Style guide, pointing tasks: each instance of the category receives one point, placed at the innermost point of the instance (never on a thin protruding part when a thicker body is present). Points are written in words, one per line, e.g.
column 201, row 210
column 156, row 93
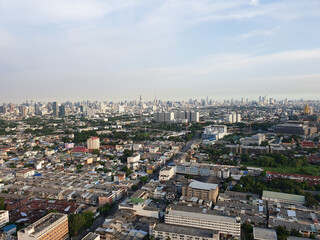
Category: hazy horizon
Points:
column 116, row 50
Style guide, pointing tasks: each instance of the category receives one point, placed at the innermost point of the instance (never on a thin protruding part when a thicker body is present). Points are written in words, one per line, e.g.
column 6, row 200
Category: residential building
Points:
column 53, row 226
column 93, row 143
column 4, row 217
column 201, row 190
column 166, row 173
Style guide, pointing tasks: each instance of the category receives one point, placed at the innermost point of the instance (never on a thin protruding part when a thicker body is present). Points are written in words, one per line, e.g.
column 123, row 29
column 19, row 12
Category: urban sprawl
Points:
column 167, row 170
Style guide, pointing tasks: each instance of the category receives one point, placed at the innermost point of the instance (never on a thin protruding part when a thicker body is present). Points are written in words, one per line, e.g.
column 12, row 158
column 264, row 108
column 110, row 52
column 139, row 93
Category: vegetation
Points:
column 282, row 163
column 105, row 209
column 79, row 222
column 249, row 184
column 247, row 230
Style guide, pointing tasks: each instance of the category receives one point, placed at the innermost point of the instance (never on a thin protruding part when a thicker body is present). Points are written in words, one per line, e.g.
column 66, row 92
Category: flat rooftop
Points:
column 196, row 212
column 203, row 186
column 185, row 230
column 264, row 234
column 284, row 196
column 43, row 223
column 90, row 236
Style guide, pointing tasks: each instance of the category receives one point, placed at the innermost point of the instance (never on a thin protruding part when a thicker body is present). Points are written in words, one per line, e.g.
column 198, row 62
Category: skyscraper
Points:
column 55, row 109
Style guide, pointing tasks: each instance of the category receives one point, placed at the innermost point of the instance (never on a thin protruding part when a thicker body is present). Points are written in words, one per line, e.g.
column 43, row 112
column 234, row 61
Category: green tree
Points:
column 2, row 204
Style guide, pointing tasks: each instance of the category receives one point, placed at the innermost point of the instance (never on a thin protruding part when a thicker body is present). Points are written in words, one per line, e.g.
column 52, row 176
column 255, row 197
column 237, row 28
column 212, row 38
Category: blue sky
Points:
column 114, row 50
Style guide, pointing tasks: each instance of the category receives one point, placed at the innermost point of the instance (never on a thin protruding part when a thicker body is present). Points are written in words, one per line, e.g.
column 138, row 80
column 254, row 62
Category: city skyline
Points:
column 118, row 50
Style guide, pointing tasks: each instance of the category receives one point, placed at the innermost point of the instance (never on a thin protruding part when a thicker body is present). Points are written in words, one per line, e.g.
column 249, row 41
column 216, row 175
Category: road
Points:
column 99, row 221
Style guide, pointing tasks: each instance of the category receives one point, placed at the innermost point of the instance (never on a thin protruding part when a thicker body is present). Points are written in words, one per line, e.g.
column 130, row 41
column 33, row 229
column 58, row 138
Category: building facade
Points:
column 53, row 226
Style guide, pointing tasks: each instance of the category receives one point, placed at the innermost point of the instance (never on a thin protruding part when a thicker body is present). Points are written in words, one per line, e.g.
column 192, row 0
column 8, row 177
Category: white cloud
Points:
column 254, row 2
column 255, row 33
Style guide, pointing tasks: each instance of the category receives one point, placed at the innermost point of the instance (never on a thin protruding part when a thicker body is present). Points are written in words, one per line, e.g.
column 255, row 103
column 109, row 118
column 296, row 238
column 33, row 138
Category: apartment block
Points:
column 54, row 226
column 201, row 190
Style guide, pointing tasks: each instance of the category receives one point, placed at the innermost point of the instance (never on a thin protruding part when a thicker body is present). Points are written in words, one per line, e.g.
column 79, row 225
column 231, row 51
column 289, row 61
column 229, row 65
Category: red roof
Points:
column 93, row 138
column 80, row 150
column 308, row 145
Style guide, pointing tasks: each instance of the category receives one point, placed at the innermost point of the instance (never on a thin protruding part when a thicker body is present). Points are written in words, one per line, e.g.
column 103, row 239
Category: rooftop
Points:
column 184, row 230
column 284, row 196
column 203, row 186
column 40, row 225
column 196, row 212
column 264, row 234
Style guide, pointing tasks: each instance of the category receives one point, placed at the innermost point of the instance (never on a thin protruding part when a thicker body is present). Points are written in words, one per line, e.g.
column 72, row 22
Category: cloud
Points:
column 255, row 33
column 254, row 2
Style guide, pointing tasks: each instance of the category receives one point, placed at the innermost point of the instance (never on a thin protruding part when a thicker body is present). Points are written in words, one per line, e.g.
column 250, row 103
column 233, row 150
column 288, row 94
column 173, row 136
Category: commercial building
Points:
column 254, row 140
column 166, row 173
column 55, row 109
column 201, row 190
column 93, row 143
column 264, row 234
column 4, row 217
column 214, row 132
column 283, row 197
column 294, row 128
column 54, row 226
column 204, row 219
column 164, row 231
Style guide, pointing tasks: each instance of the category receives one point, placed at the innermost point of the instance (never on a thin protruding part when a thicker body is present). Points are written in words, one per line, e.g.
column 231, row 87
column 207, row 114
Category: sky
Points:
column 169, row 49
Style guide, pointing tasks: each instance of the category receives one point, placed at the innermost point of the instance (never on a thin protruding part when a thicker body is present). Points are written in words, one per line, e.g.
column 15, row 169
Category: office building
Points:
column 93, row 143
column 62, row 110
column 294, row 128
column 201, row 190
column 53, row 226
column 254, row 140
column 215, row 132
column 164, row 231
column 204, row 219
column 55, row 109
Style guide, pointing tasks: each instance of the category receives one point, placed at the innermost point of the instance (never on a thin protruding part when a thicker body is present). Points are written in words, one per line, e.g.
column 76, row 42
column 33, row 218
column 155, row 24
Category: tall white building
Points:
column 93, row 143
column 233, row 117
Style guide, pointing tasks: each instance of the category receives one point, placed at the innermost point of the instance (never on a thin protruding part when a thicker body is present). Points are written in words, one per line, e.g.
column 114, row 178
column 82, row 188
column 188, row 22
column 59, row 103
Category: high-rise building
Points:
column 93, row 143
column 233, row 117
column 55, row 109
column 62, row 110
column 53, row 226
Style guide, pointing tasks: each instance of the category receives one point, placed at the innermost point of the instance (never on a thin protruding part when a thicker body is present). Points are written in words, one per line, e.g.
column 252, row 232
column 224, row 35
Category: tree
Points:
column 144, row 179
column 2, row 204
column 76, row 223
column 282, row 233
column 96, row 151
column 89, row 218
column 128, row 153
